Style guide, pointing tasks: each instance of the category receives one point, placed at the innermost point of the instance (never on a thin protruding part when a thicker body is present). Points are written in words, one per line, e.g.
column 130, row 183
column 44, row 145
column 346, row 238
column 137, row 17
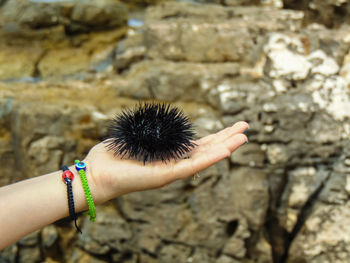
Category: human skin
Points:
column 31, row 204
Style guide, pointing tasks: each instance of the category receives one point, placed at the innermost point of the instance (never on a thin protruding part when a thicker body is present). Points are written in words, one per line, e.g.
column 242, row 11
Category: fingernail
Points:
column 245, row 142
column 246, row 130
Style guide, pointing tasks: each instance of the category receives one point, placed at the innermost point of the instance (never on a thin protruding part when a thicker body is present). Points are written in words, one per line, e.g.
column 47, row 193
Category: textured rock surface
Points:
column 74, row 15
column 330, row 12
column 47, row 39
column 233, row 31
column 284, row 197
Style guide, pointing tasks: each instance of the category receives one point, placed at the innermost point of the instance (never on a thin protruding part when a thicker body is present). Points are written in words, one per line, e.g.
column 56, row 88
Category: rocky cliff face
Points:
column 284, row 197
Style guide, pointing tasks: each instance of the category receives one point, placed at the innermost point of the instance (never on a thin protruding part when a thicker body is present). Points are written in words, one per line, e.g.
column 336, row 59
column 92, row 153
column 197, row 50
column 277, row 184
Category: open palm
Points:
column 113, row 176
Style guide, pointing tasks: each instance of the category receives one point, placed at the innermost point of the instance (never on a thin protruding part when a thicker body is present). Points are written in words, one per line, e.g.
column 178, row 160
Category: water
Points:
column 50, row 1
column 21, row 80
column 135, row 22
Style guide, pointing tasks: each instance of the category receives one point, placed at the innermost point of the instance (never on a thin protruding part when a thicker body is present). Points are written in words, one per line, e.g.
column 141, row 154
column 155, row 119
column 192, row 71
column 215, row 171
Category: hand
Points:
column 112, row 176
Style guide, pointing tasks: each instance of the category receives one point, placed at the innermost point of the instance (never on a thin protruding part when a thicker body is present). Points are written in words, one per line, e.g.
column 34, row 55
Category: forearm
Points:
column 34, row 203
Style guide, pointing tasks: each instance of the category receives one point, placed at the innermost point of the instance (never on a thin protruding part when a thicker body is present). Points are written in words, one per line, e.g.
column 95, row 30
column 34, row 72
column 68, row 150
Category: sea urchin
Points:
column 151, row 132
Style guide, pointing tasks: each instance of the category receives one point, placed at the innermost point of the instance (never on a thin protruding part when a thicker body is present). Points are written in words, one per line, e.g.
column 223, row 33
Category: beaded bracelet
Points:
column 81, row 168
column 67, row 177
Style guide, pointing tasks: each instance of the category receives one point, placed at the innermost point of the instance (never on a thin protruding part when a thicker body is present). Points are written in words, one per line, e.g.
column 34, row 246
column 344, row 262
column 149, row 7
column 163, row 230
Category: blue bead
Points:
column 80, row 166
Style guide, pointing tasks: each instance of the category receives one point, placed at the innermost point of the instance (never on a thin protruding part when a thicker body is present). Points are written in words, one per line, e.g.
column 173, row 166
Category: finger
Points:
column 210, row 156
column 232, row 143
column 238, row 127
column 214, row 139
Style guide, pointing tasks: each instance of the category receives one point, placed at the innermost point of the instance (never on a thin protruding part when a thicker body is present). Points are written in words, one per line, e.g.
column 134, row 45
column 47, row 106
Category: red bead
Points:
column 67, row 174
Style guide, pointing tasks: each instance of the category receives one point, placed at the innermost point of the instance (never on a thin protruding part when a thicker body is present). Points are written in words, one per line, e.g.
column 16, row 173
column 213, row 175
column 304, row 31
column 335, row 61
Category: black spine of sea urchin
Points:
column 150, row 132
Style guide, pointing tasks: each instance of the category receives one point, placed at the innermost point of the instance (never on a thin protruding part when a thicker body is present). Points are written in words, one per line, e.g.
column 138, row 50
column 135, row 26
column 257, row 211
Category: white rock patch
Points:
column 333, row 96
column 286, row 63
column 286, row 57
column 322, row 64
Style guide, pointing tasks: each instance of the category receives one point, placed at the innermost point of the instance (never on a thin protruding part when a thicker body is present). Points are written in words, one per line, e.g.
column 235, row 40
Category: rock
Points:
column 157, row 79
column 241, row 194
column 80, row 256
column 333, row 97
column 26, row 137
column 278, row 51
column 235, row 246
column 148, row 259
column 334, row 191
column 232, row 2
column 126, row 256
column 336, row 47
column 175, row 253
column 303, row 182
column 277, row 154
column 130, row 50
column 331, row 13
column 240, row 2
column 8, row 255
column 324, row 237
column 43, row 44
column 178, row 10
column 74, row 15
column 327, row 10
column 183, row 226
column 91, row 55
column 30, row 240
column 251, row 154
column 263, row 252
column 226, row 259
column 22, row 63
column 207, row 125
column 25, row 12
column 192, row 45
column 273, row 3
column 29, row 254
column 46, row 152
column 235, row 30
column 192, row 10
column 152, row 232
column 7, row 159
column 345, row 70
column 347, row 185
column 306, row 49
column 319, row 133
column 49, row 236
column 75, row 57
column 109, row 232
column 149, row 242
column 106, row 13
column 232, row 96
column 322, row 64
column 200, row 255
column 142, row 3
column 49, row 59
column 50, row 260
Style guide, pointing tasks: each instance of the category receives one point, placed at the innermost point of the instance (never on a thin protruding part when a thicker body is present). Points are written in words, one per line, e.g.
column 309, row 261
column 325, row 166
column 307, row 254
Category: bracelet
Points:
column 81, row 167
column 67, row 178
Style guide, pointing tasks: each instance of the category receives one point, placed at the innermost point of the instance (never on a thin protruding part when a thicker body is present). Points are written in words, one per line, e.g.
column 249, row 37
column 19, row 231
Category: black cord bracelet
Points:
column 68, row 177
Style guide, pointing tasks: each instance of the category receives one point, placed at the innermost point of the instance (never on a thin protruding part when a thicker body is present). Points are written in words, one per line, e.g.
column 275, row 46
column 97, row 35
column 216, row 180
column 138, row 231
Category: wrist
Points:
column 100, row 168
column 99, row 190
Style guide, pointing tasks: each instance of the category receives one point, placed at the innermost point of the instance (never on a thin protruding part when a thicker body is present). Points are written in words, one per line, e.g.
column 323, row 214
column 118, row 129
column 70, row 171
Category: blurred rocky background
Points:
column 67, row 67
